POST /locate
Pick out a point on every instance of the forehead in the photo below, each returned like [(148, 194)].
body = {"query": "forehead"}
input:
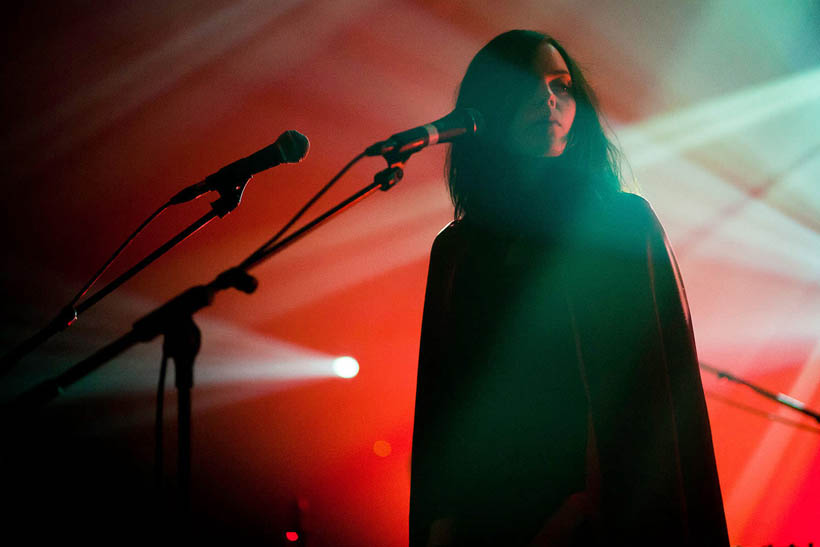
[(549, 62)]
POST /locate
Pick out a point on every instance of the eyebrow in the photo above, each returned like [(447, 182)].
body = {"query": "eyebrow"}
[(556, 72)]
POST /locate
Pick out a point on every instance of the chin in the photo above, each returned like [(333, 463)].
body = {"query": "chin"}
[(558, 149)]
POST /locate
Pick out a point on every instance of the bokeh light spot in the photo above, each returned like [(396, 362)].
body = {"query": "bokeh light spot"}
[(382, 448)]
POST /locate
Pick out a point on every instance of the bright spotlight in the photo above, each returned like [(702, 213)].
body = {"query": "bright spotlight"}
[(345, 367)]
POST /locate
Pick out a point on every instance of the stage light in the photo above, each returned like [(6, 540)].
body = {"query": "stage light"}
[(292, 536), (345, 367), (668, 136)]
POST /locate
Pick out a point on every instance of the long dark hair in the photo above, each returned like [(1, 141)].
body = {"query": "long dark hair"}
[(499, 79)]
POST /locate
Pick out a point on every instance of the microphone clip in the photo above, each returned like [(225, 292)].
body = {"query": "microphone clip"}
[(230, 184), (230, 195), (388, 177)]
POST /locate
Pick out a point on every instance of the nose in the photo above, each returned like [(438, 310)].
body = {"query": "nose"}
[(552, 100)]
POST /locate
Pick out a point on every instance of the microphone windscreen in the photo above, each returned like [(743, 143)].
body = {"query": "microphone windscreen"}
[(294, 146)]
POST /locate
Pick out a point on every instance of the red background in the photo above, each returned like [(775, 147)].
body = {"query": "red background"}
[(111, 108)]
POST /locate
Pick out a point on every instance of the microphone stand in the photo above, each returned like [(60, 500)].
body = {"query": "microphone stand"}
[(174, 320), (230, 196), (781, 398), (383, 180)]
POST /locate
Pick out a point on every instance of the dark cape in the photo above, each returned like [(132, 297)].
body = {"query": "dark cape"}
[(529, 343)]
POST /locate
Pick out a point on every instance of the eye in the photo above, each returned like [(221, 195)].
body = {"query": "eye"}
[(561, 88)]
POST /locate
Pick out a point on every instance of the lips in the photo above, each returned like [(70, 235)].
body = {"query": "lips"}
[(547, 122)]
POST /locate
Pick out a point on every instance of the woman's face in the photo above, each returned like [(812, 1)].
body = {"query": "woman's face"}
[(540, 126)]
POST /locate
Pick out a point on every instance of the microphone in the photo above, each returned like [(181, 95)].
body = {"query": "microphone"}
[(459, 122), (290, 147)]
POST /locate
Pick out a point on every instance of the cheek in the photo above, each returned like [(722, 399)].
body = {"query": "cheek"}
[(569, 114)]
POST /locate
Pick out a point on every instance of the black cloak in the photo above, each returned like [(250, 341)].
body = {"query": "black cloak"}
[(531, 342)]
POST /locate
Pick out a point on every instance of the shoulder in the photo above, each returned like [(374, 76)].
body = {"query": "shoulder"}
[(621, 223), (632, 212), (452, 237), (627, 199), (446, 244), (631, 206), (448, 233)]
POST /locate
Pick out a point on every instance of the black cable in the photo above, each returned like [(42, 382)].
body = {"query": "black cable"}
[(68, 314), (117, 253), (269, 243)]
